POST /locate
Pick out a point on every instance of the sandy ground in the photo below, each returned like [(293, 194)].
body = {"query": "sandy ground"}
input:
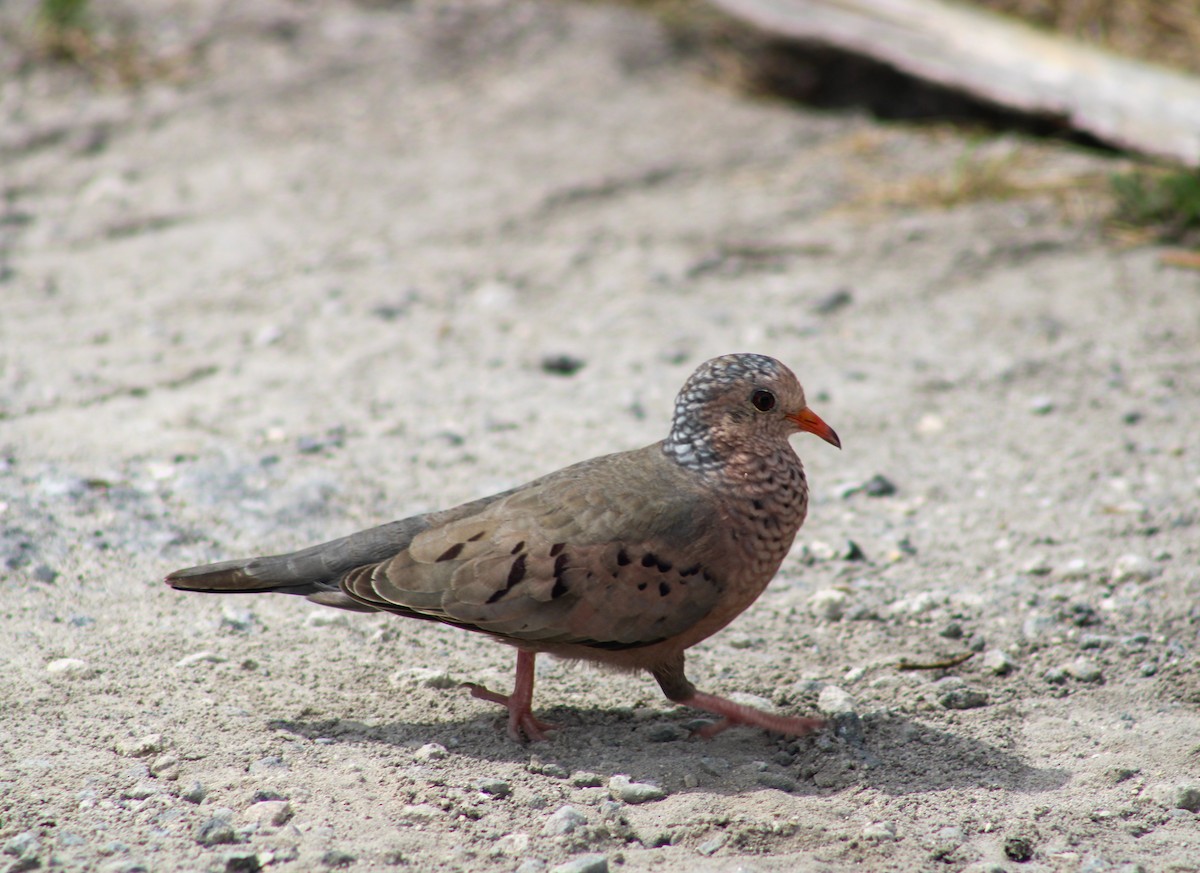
[(346, 263)]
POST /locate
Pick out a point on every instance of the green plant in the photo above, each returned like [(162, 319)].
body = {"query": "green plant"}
[(1166, 203), (65, 29)]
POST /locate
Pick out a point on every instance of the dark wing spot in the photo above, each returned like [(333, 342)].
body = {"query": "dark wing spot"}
[(477, 537), (622, 558), (690, 571), (663, 566), (515, 574), (641, 586), (518, 547), (663, 589), (559, 589), (649, 560), (758, 504), (451, 553), (556, 548)]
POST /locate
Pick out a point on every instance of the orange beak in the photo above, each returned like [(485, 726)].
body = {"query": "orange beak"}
[(809, 421)]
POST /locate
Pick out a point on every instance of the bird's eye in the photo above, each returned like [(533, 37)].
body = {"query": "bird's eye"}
[(763, 400)]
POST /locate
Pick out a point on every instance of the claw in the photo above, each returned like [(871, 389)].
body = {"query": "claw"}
[(522, 726)]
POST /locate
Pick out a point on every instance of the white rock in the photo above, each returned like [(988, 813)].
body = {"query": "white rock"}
[(918, 604), (141, 747), (431, 752), (997, 661), (423, 677), (275, 813), (203, 657), (828, 604), (565, 820), (879, 831), (1135, 568), (835, 701), (71, 668), (1085, 670), (1076, 568), (624, 789)]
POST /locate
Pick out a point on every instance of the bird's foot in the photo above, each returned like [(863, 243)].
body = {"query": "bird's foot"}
[(523, 727), (736, 713)]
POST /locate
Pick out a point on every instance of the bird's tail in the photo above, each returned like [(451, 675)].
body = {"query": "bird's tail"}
[(314, 573)]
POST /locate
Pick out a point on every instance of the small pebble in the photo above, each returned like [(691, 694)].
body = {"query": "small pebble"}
[(562, 365), (194, 793), (533, 865), (45, 574), (829, 303), (1084, 670), (879, 486), (1041, 405), (166, 766), (1076, 568), (204, 657), (1135, 568), (267, 764), (963, 698), (665, 732), (431, 752), (24, 845), (777, 781), (998, 662), (215, 831), (1019, 849), (336, 858), (585, 779), (151, 744), (141, 791), (565, 820), (952, 631), (273, 812), (1055, 676), (623, 789), (834, 701), (547, 768), (494, 787), (713, 844), (916, 605), (828, 604), (879, 831), (242, 862), (424, 677), (238, 620), (71, 668), (583, 864)]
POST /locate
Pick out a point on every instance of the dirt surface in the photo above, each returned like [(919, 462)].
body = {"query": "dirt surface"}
[(347, 263)]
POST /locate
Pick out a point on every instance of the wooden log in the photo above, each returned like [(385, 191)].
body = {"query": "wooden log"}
[(1126, 103)]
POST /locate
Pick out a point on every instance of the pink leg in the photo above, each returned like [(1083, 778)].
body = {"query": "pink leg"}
[(735, 713), (522, 726)]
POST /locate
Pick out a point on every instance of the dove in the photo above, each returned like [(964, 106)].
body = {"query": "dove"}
[(625, 560)]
